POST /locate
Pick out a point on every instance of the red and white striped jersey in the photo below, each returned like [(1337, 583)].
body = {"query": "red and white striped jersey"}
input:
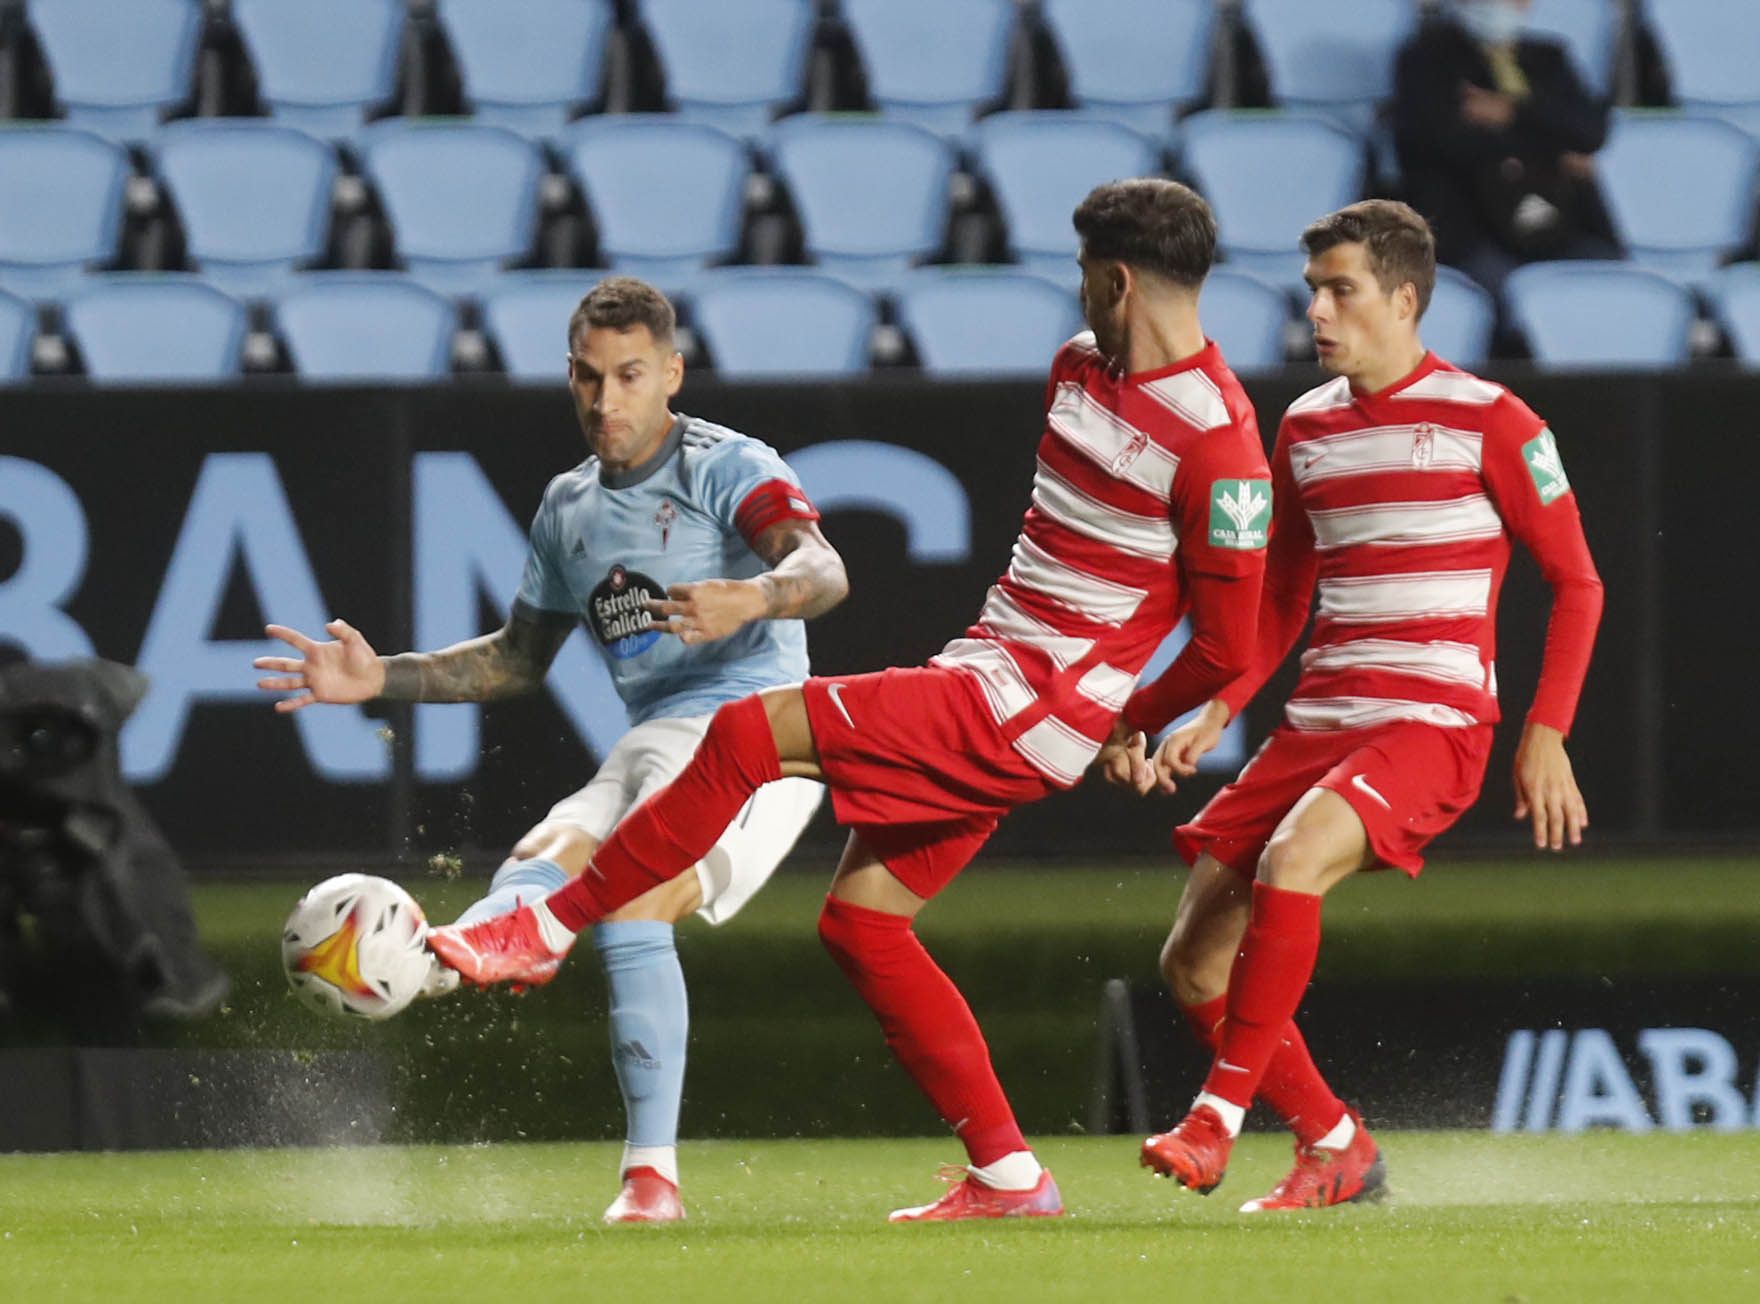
[(1145, 482), (1398, 508)]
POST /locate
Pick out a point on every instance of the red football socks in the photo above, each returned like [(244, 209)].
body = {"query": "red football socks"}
[(927, 1023), (1265, 987), (675, 828), (1292, 1085)]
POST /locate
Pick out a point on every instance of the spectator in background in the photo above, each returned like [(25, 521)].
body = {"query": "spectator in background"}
[(1496, 137)]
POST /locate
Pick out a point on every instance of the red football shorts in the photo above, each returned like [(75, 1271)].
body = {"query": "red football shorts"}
[(917, 767), (1407, 782)]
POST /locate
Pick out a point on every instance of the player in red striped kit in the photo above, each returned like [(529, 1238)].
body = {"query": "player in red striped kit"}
[(1399, 486), (1151, 499)]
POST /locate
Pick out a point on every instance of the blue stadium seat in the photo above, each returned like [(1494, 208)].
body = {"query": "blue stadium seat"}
[(253, 196), (1040, 165), (1709, 48), (932, 63), (782, 322), (155, 327), (526, 315), (1141, 81), (970, 322), (117, 67), (76, 182), (1267, 175), (1333, 57), (1680, 189), (1737, 295), (667, 197), (1247, 317), (323, 65), (527, 64), (1589, 29), (365, 326), (1458, 324), (1600, 315), (18, 327), (733, 63), (462, 199), (871, 195)]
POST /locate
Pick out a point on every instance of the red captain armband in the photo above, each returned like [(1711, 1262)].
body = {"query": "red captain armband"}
[(770, 502)]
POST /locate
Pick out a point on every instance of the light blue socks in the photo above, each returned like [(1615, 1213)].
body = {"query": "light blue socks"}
[(517, 883), (650, 1019)]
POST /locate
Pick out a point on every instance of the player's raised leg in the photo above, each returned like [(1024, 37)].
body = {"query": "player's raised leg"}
[(749, 743), (866, 926), (1320, 843)]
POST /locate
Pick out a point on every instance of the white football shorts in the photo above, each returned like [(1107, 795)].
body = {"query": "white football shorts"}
[(648, 758)]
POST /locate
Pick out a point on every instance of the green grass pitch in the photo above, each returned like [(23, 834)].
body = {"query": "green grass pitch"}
[(1471, 1218)]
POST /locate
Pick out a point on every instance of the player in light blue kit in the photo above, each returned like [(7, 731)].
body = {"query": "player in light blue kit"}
[(691, 555)]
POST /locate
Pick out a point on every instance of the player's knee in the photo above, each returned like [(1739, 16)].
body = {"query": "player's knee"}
[(1293, 861), (564, 844)]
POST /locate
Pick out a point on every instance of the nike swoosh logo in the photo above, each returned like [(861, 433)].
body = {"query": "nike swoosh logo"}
[(1226, 1067), (835, 693), (1310, 462), (1362, 785)]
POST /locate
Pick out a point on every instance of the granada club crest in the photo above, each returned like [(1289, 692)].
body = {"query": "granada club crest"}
[(618, 615), (1423, 446)]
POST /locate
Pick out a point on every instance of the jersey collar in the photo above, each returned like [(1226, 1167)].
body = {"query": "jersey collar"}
[(662, 455), (1426, 364)]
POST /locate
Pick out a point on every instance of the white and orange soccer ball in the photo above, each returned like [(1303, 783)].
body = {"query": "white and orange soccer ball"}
[(356, 945)]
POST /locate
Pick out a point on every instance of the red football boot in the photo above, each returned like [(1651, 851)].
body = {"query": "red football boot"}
[(1326, 1177), (503, 949), (1194, 1154), (647, 1197), (967, 1197)]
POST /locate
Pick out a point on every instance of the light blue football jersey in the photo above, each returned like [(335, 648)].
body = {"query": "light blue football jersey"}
[(604, 541)]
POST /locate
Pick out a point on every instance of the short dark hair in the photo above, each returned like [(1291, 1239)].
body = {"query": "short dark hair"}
[(1396, 238), (1151, 224), (622, 303)]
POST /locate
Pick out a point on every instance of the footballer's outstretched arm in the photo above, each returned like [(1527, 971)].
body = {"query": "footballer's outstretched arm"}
[(806, 579), (512, 660)]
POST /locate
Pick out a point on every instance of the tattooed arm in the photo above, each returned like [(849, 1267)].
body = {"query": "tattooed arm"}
[(512, 660), (806, 579)]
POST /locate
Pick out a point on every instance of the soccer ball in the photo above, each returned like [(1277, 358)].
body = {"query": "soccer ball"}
[(356, 945)]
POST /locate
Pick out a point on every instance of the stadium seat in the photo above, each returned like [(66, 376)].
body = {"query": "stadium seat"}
[(1333, 57), (118, 67), (782, 322), (667, 197), (528, 64), (871, 195), (1709, 48), (1680, 189), (76, 182), (253, 196), (985, 322), (1737, 296), (1040, 165), (18, 327), (1247, 317), (366, 326), (733, 63), (1267, 175), (155, 327), (1143, 81), (462, 199), (526, 315), (1458, 324), (1589, 29), (323, 65), (1600, 315), (932, 63)]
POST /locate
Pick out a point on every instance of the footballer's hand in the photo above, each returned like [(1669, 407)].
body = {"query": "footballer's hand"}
[(1123, 759), (706, 610), (1177, 757), (1546, 789), (346, 670)]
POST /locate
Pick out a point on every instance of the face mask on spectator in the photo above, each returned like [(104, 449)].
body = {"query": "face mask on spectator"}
[(1493, 22)]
